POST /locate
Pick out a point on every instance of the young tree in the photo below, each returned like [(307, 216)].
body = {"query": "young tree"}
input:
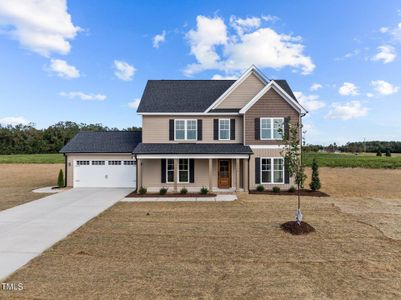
[(378, 153), (292, 153), (388, 153), (315, 182), (60, 179)]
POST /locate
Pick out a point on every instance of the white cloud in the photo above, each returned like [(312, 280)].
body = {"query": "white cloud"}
[(233, 49), (384, 88), (63, 69), (347, 111), (13, 121), (42, 26), (315, 87), (158, 39), (353, 53), (384, 29), (222, 77), (385, 53), (134, 104), (270, 18), (310, 102), (124, 70), (83, 96), (348, 89), (369, 95)]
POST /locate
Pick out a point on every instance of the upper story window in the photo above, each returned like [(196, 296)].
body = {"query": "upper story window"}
[(270, 128), (186, 129), (224, 129)]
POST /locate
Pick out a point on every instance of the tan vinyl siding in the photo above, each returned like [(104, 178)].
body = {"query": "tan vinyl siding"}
[(265, 153), (243, 93), (155, 129), (90, 156), (269, 105)]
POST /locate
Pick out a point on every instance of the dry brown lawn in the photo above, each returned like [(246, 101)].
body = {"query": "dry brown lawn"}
[(18, 180), (232, 250)]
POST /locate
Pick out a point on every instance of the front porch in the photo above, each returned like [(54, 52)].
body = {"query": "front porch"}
[(222, 174)]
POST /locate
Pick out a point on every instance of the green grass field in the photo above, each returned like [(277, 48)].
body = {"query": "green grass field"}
[(32, 159), (347, 160)]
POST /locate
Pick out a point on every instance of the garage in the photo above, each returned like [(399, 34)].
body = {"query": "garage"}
[(101, 159), (104, 173)]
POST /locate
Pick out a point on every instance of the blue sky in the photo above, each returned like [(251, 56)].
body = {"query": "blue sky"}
[(88, 61)]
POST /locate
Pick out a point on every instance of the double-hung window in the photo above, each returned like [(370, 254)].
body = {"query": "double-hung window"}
[(271, 128), (224, 129), (183, 170), (186, 130), (272, 170), (170, 171)]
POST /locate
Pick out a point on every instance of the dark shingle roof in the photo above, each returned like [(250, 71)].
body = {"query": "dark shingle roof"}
[(192, 149), (103, 142), (284, 85), (181, 95)]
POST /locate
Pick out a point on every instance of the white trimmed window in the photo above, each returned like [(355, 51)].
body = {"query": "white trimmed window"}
[(114, 162), (183, 170), (224, 129), (170, 171), (82, 162), (270, 128), (129, 162), (98, 162), (272, 170), (186, 130)]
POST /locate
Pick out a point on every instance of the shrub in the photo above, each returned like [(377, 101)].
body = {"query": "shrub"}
[(183, 191), (388, 153), (60, 179), (315, 183), (143, 190), (276, 189), (204, 191), (163, 191), (292, 189), (260, 188), (379, 153)]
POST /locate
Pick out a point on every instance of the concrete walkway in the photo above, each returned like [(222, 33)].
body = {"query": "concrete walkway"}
[(29, 229)]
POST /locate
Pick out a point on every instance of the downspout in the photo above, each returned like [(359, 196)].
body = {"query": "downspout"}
[(65, 170)]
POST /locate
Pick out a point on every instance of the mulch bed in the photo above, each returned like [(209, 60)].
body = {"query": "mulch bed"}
[(303, 192), (170, 195), (297, 229)]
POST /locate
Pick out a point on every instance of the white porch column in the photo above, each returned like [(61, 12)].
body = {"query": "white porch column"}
[(139, 170), (246, 175), (210, 174), (175, 174), (237, 172)]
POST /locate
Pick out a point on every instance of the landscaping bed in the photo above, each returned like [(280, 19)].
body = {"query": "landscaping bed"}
[(170, 195), (303, 192)]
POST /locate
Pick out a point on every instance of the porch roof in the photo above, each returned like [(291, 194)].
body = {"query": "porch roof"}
[(192, 148)]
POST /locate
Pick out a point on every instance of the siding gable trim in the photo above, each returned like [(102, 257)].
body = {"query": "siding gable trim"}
[(240, 80), (281, 92)]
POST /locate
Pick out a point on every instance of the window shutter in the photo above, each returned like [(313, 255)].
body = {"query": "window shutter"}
[(232, 129), (286, 173), (257, 170), (191, 170), (215, 129), (171, 130), (163, 171), (257, 128), (199, 130), (287, 127)]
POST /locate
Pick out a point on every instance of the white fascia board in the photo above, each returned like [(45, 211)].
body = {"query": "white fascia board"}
[(266, 146), (280, 91), (242, 78), (199, 156), (188, 114)]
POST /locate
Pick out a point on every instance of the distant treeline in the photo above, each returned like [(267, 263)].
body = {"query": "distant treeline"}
[(26, 139), (357, 147)]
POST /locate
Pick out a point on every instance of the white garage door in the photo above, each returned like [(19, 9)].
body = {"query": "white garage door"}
[(104, 173)]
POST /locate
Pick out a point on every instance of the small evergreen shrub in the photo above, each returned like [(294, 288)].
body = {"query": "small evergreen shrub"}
[(60, 179), (388, 153), (143, 190), (183, 191), (315, 182), (260, 188), (379, 153), (276, 189), (292, 189), (163, 191), (204, 191)]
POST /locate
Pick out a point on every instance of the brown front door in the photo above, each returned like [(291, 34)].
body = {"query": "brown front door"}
[(224, 174)]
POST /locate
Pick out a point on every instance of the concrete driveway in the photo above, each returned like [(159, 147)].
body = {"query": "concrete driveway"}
[(29, 229)]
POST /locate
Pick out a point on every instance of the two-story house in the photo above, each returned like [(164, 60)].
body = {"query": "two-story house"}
[(221, 134)]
